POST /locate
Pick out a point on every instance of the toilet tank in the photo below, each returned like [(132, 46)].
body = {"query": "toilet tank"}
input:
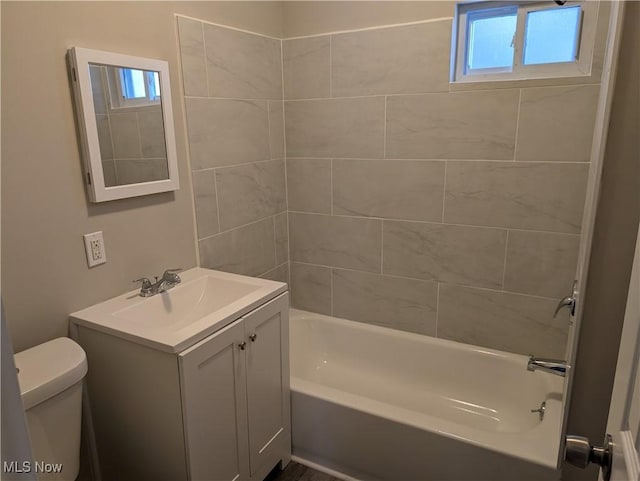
[(50, 377)]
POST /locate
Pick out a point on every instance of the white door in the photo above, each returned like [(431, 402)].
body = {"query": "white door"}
[(624, 412)]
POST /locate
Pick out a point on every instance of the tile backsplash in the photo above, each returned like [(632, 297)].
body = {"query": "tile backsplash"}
[(398, 202)]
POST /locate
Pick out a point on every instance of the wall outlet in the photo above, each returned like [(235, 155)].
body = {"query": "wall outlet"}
[(94, 247)]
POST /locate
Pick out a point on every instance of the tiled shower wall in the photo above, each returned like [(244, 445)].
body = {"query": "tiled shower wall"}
[(233, 99), (449, 213)]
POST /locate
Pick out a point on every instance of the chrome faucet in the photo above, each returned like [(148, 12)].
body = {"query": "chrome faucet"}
[(169, 279), (552, 366)]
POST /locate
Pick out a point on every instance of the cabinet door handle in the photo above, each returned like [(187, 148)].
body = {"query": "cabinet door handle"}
[(242, 345), (253, 337)]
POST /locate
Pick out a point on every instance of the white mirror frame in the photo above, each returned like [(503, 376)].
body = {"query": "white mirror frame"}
[(80, 58)]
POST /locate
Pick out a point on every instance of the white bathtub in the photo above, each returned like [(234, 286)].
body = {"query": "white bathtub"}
[(375, 403)]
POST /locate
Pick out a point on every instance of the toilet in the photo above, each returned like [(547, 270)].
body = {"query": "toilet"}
[(50, 377)]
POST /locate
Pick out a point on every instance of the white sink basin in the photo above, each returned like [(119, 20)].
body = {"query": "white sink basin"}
[(204, 302)]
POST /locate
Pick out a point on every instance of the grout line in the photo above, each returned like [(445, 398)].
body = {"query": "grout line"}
[(413, 221), (434, 281), (437, 308), (444, 190), (331, 288), (330, 67), (215, 184), (230, 166), (515, 140), (206, 69), (384, 130), (269, 129), (275, 241), (237, 99), (331, 183), (382, 247), (284, 118), (376, 27), (479, 161), (238, 227), (504, 266), (226, 26)]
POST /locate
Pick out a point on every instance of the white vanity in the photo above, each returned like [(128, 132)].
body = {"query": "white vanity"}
[(190, 384)]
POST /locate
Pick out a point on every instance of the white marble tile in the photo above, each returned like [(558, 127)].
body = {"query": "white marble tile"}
[(348, 242), (109, 173), (501, 320), (226, 132), (280, 274), (556, 123), (541, 263), (204, 194), (395, 189), (242, 65), (456, 125), (306, 67), (309, 185), (335, 127), (281, 225), (248, 250), (458, 254), (124, 132), (133, 171), (405, 59), (520, 195), (311, 288), (104, 137), (151, 125), (276, 129), (405, 304), (250, 192), (192, 57)]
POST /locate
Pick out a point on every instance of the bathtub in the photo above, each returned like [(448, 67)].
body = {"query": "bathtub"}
[(375, 403)]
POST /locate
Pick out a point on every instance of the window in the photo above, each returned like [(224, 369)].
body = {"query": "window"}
[(500, 41), (130, 87)]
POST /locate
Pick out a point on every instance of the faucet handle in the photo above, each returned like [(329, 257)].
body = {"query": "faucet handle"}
[(146, 289), (171, 275), (146, 283)]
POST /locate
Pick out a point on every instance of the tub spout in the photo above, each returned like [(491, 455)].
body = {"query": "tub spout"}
[(552, 366)]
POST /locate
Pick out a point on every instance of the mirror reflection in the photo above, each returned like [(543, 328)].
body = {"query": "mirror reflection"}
[(131, 134)]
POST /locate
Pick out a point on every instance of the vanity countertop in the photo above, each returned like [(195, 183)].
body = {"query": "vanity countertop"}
[(204, 302)]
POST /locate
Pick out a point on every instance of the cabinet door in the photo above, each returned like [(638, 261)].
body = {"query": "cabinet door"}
[(213, 386), (267, 331)]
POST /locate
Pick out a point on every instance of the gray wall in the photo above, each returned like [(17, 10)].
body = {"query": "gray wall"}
[(452, 214), (44, 205), (233, 99)]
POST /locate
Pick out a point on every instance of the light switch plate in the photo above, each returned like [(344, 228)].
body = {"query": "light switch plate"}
[(94, 248)]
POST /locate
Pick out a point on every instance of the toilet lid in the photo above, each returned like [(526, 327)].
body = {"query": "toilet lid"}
[(48, 369)]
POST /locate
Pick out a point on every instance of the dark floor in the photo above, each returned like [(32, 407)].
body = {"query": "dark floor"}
[(298, 472)]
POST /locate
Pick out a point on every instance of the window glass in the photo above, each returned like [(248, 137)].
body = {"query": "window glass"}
[(490, 38), (551, 36), (133, 83)]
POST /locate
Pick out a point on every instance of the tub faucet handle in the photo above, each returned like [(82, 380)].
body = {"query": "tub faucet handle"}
[(569, 301), (541, 410)]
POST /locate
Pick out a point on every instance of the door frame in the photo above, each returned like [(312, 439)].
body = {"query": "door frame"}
[(598, 147)]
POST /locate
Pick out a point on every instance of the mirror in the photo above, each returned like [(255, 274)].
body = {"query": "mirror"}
[(126, 124)]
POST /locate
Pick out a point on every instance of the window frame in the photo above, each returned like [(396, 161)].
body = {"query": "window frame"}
[(581, 67), (117, 97)]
